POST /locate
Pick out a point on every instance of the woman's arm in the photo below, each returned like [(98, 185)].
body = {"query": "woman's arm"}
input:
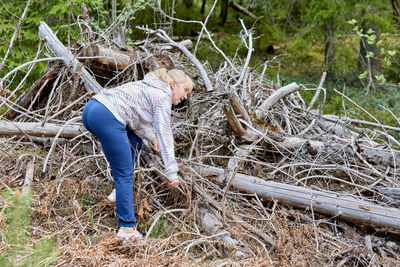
[(162, 123)]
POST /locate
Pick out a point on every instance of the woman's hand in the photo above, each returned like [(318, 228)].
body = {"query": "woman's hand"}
[(174, 183), (156, 146)]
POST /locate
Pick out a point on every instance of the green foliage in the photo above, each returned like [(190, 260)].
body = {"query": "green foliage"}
[(19, 251)]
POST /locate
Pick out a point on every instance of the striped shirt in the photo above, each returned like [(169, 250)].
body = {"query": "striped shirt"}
[(141, 104)]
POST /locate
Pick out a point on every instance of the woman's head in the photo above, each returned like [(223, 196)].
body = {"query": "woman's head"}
[(181, 84)]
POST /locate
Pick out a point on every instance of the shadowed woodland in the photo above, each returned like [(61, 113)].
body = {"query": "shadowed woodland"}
[(275, 172)]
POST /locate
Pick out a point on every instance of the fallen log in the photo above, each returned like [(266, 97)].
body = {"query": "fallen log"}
[(69, 60), (328, 203), (35, 129)]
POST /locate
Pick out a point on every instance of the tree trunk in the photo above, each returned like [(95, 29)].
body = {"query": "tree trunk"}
[(396, 12), (374, 63), (203, 6), (224, 11), (330, 54)]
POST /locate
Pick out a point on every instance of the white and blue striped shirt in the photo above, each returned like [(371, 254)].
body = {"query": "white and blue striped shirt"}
[(139, 105)]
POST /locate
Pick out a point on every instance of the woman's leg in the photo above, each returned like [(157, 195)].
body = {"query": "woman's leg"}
[(136, 144), (117, 148)]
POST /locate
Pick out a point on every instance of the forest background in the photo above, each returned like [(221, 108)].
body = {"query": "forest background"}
[(355, 42)]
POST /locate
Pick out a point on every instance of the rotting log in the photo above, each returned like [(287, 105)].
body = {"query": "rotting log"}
[(328, 203), (35, 129), (69, 60)]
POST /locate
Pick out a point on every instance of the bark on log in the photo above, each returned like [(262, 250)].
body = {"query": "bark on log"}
[(68, 58), (331, 204), (35, 129)]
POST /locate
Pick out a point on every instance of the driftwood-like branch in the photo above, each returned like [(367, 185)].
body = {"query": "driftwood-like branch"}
[(278, 95), (68, 58), (163, 35), (30, 169), (235, 125), (238, 107), (335, 118), (328, 203), (316, 95), (35, 129)]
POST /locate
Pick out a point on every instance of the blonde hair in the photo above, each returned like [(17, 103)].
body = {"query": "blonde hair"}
[(176, 75)]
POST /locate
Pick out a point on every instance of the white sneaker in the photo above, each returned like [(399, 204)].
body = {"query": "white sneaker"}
[(133, 235), (112, 196)]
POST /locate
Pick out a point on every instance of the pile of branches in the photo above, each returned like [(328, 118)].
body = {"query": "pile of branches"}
[(267, 178)]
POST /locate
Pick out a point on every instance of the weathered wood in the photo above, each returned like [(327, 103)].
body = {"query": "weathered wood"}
[(30, 169), (35, 129), (238, 107), (164, 36), (373, 154), (327, 203), (276, 96), (233, 121), (212, 226), (114, 59), (25, 100), (392, 192), (334, 118), (69, 60), (235, 125), (153, 161)]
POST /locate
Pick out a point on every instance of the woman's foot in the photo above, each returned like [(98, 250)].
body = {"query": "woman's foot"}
[(129, 233)]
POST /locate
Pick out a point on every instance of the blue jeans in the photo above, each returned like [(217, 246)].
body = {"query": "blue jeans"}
[(121, 147)]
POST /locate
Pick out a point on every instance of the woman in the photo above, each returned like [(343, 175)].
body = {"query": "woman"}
[(121, 117)]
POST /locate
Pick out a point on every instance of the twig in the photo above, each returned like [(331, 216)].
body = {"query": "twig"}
[(14, 36)]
